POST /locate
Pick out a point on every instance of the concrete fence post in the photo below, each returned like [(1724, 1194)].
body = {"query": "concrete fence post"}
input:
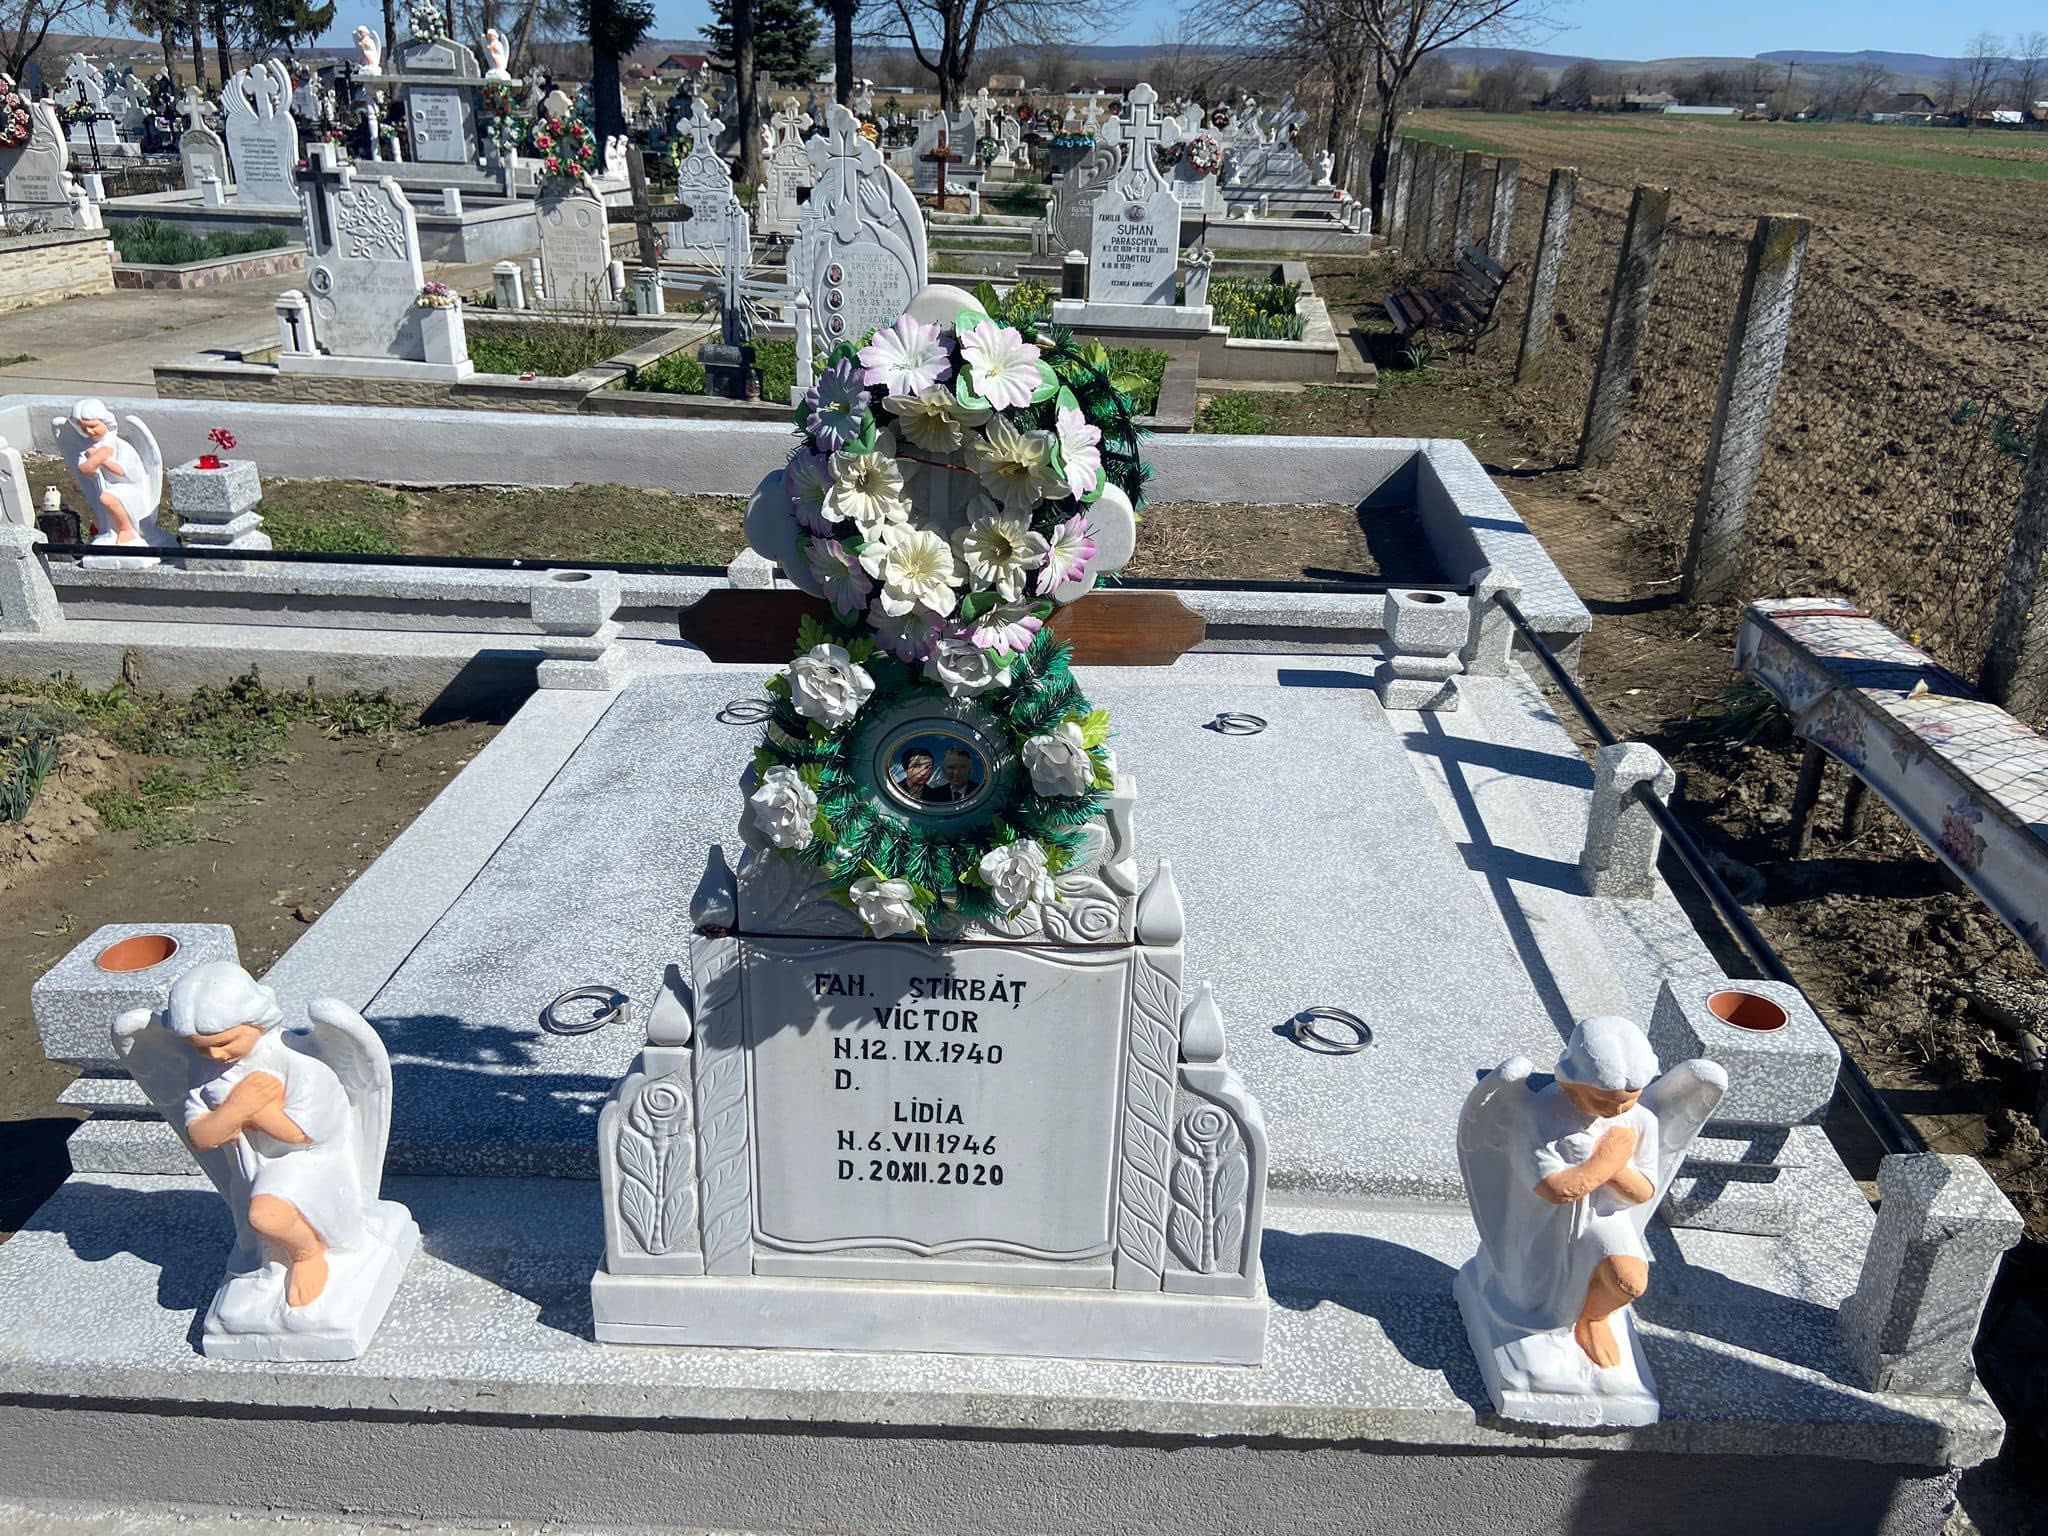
[(28, 603), (1442, 166), (2015, 670), (1942, 1226), (1619, 859), (1414, 199), (1394, 191), (1500, 222), (1557, 225), (1628, 309), (1742, 411), (1471, 175)]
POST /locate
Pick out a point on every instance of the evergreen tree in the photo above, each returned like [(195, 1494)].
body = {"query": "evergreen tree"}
[(785, 32), (615, 28)]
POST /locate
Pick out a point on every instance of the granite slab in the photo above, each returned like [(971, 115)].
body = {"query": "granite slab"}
[(1314, 868), (100, 1290)]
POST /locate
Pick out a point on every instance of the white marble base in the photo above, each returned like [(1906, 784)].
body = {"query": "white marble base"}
[(1545, 1378), (756, 1312), (375, 367), (1082, 314), (249, 1320)]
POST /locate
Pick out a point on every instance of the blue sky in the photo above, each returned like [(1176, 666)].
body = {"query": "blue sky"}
[(1614, 29)]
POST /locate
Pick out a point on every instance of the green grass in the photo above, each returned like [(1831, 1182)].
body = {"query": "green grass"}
[(156, 243), (207, 744), (1238, 413), (676, 374), (19, 357), (548, 349), (341, 533)]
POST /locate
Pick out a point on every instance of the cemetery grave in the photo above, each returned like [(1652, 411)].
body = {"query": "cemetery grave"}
[(1215, 1215)]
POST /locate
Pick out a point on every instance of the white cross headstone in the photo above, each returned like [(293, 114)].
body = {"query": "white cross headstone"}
[(786, 173), (201, 155), (704, 186), (194, 108), (263, 141), (363, 269), (1134, 245), (860, 246)]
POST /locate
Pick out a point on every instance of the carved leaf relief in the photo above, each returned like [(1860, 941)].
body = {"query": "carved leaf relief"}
[(1210, 1179), (1148, 1110)]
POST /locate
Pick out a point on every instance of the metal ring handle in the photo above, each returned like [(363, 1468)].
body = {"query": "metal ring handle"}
[(1234, 722), (745, 712), (618, 1008), (1307, 1034)]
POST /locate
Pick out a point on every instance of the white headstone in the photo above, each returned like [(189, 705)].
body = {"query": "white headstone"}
[(263, 141), (704, 186), (786, 173), (34, 177), (575, 245), (1134, 244), (363, 268), (860, 248), (201, 154)]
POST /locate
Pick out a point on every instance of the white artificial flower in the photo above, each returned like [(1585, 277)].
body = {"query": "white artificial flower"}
[(1059, 761), (963, 668), (809, 477), (1005, 364), (906, 358), (867, 488), (1015, 874), (1015, 467), (916, 568), (888, 907), (1001, 551), (1080, 451), (933, 418), (826, 685), (784, 808)]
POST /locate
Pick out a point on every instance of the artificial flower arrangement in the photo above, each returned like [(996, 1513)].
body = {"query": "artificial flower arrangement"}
[(565, 146), (1073, 141), (15, 122), (1036, 430), (222, 439), (79, 112), (437, 296), (1203, 153)]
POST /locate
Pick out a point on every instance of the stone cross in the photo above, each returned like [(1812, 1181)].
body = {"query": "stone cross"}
[(704, 128), (193, 108), (320, 172), (1140, 130), (790, 121)]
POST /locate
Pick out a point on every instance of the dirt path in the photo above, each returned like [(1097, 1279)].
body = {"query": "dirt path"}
[(267, 863)]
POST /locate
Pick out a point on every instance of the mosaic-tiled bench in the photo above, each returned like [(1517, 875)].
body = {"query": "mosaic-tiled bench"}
[(1966, 776)]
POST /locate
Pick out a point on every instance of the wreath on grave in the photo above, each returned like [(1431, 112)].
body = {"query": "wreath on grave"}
[(1203, 153), (564, 147), (499, 99), (79, 112), (937, 646), (16, 125), (1073, 141)]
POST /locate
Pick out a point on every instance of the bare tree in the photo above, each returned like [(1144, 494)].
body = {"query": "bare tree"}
[(25, 25), (1505, 87), (946, 35), (2030, 68), (1983, 64)]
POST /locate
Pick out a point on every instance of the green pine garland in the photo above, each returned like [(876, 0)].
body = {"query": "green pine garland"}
[(856, 836)]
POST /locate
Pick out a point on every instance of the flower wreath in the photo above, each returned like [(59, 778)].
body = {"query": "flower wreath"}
[(565, 146), (1204, 154), (16, 125), (1073, 141), (498, 98), (1041, 430), (79, 112)]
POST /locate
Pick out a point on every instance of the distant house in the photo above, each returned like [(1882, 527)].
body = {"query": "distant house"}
[(1676, 110), (1647, 101), (1103, 85), (1006, 85), (1907, 104), (679, 64)]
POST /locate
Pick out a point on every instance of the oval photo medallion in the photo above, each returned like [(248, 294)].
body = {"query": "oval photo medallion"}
[(935, 767)]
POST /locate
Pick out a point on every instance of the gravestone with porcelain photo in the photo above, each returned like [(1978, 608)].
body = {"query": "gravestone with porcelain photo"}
[(575, 247), (859, 251)]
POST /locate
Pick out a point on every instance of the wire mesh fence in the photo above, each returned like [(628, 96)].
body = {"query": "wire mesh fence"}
[(1549, 405), (1891, 478)]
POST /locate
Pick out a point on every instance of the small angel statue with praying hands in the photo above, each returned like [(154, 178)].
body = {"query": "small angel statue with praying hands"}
[(290, 1125), (1562, 1180)]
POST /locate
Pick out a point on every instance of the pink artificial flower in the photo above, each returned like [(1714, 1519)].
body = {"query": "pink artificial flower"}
[(906, 358), (1011, 627), (1069, 550)]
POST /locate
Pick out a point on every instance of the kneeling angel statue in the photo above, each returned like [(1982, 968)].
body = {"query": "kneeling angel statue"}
[(1562, 1177), (122, 481), (290, 1124)]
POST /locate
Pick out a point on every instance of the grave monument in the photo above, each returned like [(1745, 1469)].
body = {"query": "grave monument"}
[(704, 186), (786, 173), (942, 1083), (859, 251), (575, 246), (35, 179), (263, 137)]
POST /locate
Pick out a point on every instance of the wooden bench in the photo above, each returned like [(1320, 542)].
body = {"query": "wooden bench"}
[(1462, 300)]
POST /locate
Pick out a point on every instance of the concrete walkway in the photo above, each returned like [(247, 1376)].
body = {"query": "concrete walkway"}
[(108, 344)]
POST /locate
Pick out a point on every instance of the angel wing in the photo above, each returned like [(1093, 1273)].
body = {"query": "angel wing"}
[(342, 1038), (1491, 1128), (1682, 1100), (70, 444), (162, 1068), (151, 455)]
